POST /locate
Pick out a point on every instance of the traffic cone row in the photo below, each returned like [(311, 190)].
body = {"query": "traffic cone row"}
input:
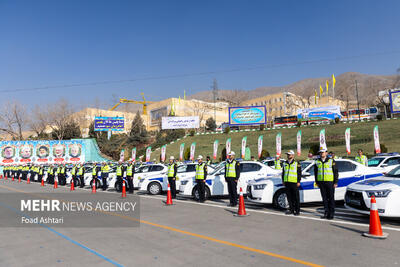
[(375, 228), (242, 210), (169, 197), (123, 189)]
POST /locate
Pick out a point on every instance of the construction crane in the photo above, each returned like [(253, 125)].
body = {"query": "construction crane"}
[(144, 103)]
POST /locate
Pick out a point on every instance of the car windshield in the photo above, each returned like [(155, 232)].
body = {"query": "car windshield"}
[(374, 162), (394, 173)]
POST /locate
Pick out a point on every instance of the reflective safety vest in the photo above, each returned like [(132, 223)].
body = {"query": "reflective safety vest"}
[(119, 170), (363, 160), (171, 170), (200, 171), (94, 170), (80, 171), (278, 164), (41, 170), (50, 170), (62, 170), (73, 171), (290, 172), (231, 169), (325, 171), (26, 168), (129, 170), (105, 169)]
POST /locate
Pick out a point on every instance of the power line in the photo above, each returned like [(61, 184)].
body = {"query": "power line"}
[(197, 73)]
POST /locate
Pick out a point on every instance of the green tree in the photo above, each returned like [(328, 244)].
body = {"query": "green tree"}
[(138, 133), (70, 130), (210, 124)]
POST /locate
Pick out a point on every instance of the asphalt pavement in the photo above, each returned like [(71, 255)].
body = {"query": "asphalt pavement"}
[(194, 234)]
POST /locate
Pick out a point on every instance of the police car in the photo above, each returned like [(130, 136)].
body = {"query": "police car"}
[(272, 191), (385, 189), (155, 184), (215, 182), (385, 162), (147, 170)]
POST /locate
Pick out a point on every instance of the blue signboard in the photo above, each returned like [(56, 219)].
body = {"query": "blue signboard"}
[(252, 115), (329, 113), (109, 123), (394, 97)]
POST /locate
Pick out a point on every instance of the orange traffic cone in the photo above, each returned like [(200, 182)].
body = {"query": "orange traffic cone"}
[(169, 196), (94, 186), (242, 209), (28, 180), (12, 178), (123, 189), (55, 183), (72, 185), (1, 176), (42, 183), (19, 179), (375, 228)]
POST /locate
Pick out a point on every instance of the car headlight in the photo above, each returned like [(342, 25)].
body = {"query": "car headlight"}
[(378, 193), (259, 186), (184, 182)]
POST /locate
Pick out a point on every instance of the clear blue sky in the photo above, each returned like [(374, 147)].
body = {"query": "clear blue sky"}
[(51, 43)]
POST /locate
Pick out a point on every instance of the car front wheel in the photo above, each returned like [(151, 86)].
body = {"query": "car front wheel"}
[(280, 199)]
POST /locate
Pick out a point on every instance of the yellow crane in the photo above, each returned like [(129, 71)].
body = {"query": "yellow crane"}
[(144, 103)]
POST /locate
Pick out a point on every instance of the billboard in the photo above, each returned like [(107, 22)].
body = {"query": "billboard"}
[(109, 123), (394, 97), (157, 114), (180, 122), (253, 115), (329, 113), (41, 152)]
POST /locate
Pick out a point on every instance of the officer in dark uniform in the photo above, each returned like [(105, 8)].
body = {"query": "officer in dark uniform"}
[(208, 161), (172, 170), (95, 171), (232, 175), (120, 172), (130, 172), (105, 170), (291, 176), (200, 178), (326, 177), (81, 175)]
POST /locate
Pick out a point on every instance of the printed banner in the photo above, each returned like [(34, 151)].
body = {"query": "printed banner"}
[(163, 152), (260, 145), (215, 149), (347, 138), (279, 144), (394, 98), (133, 154), (192, 150), (148, 154), (181, 149), (299, 143), (109, 123), (41, 152), (376, 140), (322, 140), (228, 146), (122, 155), (180, 122), (247, 115), (244, 140)]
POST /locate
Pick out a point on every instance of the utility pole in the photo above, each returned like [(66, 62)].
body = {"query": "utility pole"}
[(215, 95), (358, 103)]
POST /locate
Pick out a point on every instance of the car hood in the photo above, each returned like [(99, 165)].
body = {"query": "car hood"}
[(376, 184)]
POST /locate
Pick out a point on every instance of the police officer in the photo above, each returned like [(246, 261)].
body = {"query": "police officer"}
[(81, 175), (25, 171), (40, 173), (200, 178), (277, 162), (95, 171), (291, 176), (50, 174), (61, 174), (73, 173), (362, 159), (120, 172), (105, 169), (208, 161), (130, 171), (172, 170), (232, 175), (326, 177)]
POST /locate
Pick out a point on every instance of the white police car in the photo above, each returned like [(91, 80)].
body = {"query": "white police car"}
[(385, 162), (148, 170), (155, 184), (272, 191), (385, 189), (215, 182)]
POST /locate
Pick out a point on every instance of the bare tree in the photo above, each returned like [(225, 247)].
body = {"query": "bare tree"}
[(200, 108), (39, 121), (13, 119), (59, 117)]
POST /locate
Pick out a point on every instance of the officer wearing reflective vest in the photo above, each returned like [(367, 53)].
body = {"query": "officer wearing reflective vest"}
[(81, 175), (40, 176), (208, 160), (50, 174), (326, 177), (277, 162), (172, 170), (362, 159), (61, 174), (25, 171), (130, 172), (95, 171), (120, 172), (232, 175), (73, 173), (105, 169), (200, 178), (291, 176)]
